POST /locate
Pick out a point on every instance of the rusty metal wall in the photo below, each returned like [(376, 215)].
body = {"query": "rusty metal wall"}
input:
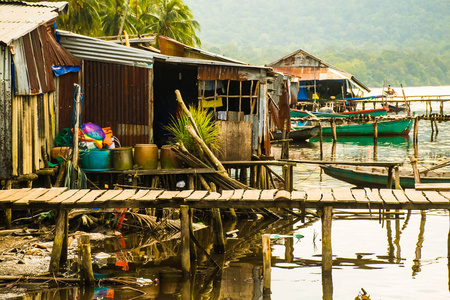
[(5, 113), (117, 96), (65, 99), (219, 72)]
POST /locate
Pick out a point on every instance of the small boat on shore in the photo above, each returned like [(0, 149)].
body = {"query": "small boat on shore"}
[(376, 112), (378, 177), (299, 133), (385, 128)]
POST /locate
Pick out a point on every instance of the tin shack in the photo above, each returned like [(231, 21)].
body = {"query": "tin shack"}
[(29, 54), (132, 91)]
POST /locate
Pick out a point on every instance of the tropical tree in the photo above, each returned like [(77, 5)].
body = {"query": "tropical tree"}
[(171, 18), (83, 17), (116, 17)]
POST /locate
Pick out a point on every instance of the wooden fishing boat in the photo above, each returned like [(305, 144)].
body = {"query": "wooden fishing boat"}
[(385, 128), (376, 112), (378, 177), (395, 108), (298, 133)]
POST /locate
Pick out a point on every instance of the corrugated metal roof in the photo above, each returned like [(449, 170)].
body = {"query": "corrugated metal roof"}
[(84, 47), (20, 18)]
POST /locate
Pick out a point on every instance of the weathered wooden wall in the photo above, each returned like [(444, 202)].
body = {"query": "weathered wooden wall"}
[(32, 126), (236, 138), (5, 113)]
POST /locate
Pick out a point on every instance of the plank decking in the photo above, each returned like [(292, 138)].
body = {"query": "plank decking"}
[(54, 198)]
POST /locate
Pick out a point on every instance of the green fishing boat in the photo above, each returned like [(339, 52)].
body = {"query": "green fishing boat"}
[(376, 112), (385, 128), (378, 177)]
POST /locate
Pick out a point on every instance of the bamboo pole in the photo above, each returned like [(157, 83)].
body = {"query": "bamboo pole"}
[(205, 148), (186, 111), (266, 264), (76, 127), (86, 272)]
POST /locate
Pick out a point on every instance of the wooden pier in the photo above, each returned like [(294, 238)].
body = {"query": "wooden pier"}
[(438, 197), (424, 197)]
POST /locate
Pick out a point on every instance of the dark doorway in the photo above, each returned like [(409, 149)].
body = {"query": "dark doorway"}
[(167, 79)]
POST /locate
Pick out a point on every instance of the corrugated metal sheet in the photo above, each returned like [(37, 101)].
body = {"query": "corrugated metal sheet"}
[(88, 48), (5, 113), (19, 18), (92, 49), (116, 96)]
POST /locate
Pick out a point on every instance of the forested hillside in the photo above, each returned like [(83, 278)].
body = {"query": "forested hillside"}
[(403, 41)]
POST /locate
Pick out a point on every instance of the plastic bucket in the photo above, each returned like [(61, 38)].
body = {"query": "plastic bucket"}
[(122, 158), (146, 156), (95, 159), (168, 158)]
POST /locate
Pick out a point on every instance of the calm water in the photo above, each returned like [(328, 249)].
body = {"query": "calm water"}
[(405, 258), (401, 259)]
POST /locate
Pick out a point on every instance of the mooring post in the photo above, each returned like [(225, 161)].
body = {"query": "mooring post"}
[(333, 129), (375, 131), (86, 272), (327, 259), (58, 242), (185, 241), (267, 253), (321, 141)]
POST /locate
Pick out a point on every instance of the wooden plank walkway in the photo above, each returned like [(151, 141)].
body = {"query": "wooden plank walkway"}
[(56, 198)]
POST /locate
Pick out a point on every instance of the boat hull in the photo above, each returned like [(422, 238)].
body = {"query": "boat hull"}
[(369, 178), (301, 133), (385, 128)]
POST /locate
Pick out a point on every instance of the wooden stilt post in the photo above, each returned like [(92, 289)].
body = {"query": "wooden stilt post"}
[(185, 241), (413, 161), (86, 272), (397, 177), (65, 244), (267, 256), (327, 259), (389, 179), (191, 184), (58, 242), (219, 240), (8, 211)]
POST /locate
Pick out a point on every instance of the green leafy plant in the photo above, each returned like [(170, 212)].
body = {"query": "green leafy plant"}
[(206, 125)]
